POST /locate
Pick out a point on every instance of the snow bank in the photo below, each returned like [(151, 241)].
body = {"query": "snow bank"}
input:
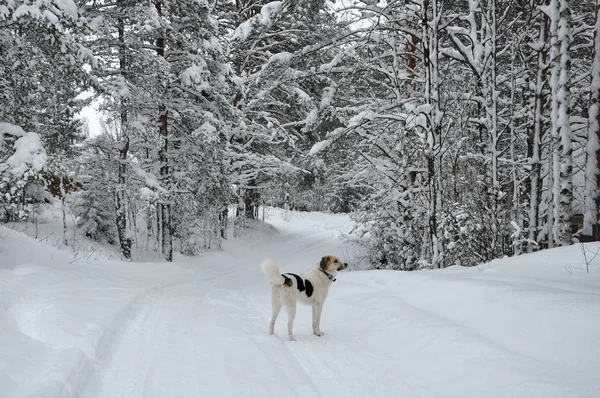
[(59, 317)]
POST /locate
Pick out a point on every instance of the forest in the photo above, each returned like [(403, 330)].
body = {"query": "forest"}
[(453, 132)]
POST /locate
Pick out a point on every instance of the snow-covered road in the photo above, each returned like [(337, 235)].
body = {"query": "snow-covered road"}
[(208, 336), (524, 327)]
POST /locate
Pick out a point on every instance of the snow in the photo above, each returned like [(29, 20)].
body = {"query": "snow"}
[(311, 117), (327, 97), (27, 10), (148, 194), (320, 146), (96, 23), (208, 132), (518, 327), (334, 62), (68, 7), (193, 75), (11, 129), (363, 116), (283, 57), (4, 11), (264, 18), (29, 155), (51, 17), (244, 30), (268, 10), (149, 179)]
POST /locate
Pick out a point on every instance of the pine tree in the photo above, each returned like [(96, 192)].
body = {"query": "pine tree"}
[(41, 76), (274, 50)]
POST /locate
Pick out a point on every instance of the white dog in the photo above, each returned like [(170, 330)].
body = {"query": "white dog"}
[(309, 288)]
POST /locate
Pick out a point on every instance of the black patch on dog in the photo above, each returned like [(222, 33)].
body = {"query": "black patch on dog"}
[(286, 281), (309, 287), (299, 282)]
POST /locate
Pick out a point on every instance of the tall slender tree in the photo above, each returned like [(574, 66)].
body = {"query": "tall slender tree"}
[(592, 170)]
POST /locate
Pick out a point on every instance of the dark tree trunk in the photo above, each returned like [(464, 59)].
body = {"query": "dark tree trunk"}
[(165, 205), (223, 222), (124, 241), (163, 157), (251, 201), (120, 200), (595, 99)]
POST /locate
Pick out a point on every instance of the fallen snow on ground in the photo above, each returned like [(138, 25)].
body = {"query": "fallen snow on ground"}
[(94, 327)]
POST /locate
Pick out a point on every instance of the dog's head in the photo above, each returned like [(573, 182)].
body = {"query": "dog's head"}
[(332, 264)]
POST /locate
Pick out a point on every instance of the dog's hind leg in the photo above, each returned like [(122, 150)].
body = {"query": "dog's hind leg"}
[(290, 308), (276, 306)]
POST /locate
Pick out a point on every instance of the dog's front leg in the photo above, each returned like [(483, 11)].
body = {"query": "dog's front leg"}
[(317, 308)]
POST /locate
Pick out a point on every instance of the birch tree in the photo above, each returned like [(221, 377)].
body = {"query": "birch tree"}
[(541, 48), (560, 210), (475, 43), (592, 173)]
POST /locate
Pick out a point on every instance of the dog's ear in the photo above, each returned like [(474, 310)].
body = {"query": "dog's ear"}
[(324, 262)]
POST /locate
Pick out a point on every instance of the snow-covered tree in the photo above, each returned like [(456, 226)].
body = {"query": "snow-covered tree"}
[(22, 163), (93, 206), (559, 216), (277, 50), (592, 172), (42, 58), (538, 123)]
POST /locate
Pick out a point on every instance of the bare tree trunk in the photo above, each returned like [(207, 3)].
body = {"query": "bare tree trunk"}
[(538, 129), (251, 201), (492, 112), (120, 201), (562, 159), (592, 170), (165, 205), (159, 226), (517, 215), (223, 218), (432, 150), (63, 197), (553, 155), (564, 124), (167, 232), (124, 240), (163, 157)]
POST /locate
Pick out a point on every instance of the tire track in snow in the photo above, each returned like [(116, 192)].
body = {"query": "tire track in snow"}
[(250, 320), (183, 343), (336, 367), (208, 336)]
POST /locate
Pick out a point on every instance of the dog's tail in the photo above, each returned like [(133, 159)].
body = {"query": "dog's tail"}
[(271, 270)]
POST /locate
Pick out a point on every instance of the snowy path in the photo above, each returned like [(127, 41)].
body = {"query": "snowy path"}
[(521, 327), (207, 337)]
